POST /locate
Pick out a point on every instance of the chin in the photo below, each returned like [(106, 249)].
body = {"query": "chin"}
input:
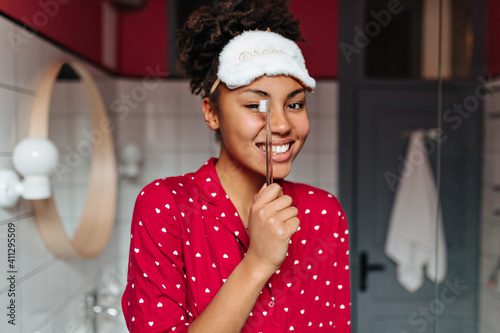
[(280, 172)]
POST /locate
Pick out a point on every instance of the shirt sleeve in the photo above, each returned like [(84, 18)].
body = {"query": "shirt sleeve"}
[(343, 295), (155, 296)]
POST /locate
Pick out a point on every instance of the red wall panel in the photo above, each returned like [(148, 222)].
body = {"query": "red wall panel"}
[(142, 39), (493, 38), (319, 26), (142, 42), (75, 24)]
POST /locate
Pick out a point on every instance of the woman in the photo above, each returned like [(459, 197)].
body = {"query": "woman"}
[(217, 250)]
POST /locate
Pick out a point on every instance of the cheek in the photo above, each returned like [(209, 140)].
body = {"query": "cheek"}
[(302, 127), (243, 126)]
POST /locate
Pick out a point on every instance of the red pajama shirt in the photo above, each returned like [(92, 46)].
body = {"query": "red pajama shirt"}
[(187, 238)]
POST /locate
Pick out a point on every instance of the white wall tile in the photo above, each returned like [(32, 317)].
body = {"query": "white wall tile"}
[(214, 145), (34, 58), (490, 235), (192, 162), (489, 309), (130, 98), (59, 100), (5, 213), (23, 113), (328, 167), (81, 131), (312, 104), (34, 288), (487, 267), (314, 138), (189, 103), (164, 98), (77, 98), (31, 64), (126, 200), (491, 206), (33, 252), (7, 125), (160, 133), (303, 169), (132, 130), (491, 175), (329, 133), (194, 133), (59, 131), (73, 314), (7, 52), (62, 200), (328, 97), (158, 166), (484, 329), (123, 232), (492, 134), (492, 103)]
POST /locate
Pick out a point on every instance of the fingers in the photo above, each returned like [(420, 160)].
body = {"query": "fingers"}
[(290, 220), (281, 202), (271, 204), (287, 213), (268, 193), (260, 191), (292, 225)]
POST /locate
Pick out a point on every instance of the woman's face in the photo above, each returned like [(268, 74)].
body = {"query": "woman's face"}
[(243, 127)]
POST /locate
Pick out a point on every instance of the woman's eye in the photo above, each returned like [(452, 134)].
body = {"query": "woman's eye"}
[(296, 106), (252, 106)]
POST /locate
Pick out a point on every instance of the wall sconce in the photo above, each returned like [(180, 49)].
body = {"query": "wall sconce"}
[(130, 161), (35, 159)]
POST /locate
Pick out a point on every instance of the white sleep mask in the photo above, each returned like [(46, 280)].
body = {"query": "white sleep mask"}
[(253, 54)]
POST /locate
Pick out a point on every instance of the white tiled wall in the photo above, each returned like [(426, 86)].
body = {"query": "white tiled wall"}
[(49, 292), (165, 120), (489, 297)]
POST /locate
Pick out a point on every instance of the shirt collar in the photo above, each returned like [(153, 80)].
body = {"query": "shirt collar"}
[(211, 189), (208, 183)]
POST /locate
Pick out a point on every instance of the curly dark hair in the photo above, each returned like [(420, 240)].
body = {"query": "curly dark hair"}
[(209, 29)]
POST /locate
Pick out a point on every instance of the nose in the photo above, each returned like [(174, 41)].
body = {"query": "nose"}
[(280, 124)]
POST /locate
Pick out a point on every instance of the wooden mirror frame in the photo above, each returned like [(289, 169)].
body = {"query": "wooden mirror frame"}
[(96, 223)]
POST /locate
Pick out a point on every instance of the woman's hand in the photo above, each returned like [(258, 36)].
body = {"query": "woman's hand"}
[(272, 221)]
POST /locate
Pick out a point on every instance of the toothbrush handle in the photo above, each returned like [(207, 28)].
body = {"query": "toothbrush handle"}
[(269, 150)]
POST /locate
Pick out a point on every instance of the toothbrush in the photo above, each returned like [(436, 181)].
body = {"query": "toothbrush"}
[(264, 107)]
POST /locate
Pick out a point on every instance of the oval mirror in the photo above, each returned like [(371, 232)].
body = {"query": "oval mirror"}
[(85, 178)]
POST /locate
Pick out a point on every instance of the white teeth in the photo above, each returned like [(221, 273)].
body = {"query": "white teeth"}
[(277, 149)]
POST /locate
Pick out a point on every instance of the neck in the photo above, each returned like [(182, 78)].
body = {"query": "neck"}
[(239, 183)]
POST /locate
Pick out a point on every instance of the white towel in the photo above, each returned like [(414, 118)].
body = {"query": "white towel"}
[(411, 238)]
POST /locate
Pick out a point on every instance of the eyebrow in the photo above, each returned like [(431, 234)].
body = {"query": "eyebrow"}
[(266, 94)]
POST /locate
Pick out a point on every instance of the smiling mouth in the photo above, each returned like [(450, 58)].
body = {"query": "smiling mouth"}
[(277, 149)]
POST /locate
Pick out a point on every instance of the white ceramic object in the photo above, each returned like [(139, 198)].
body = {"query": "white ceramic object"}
[(35, 158), (131, 158)]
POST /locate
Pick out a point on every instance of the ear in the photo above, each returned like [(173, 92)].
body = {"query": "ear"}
[(210, 114)]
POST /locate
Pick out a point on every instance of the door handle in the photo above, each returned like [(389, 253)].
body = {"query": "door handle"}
[(365, 268)]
